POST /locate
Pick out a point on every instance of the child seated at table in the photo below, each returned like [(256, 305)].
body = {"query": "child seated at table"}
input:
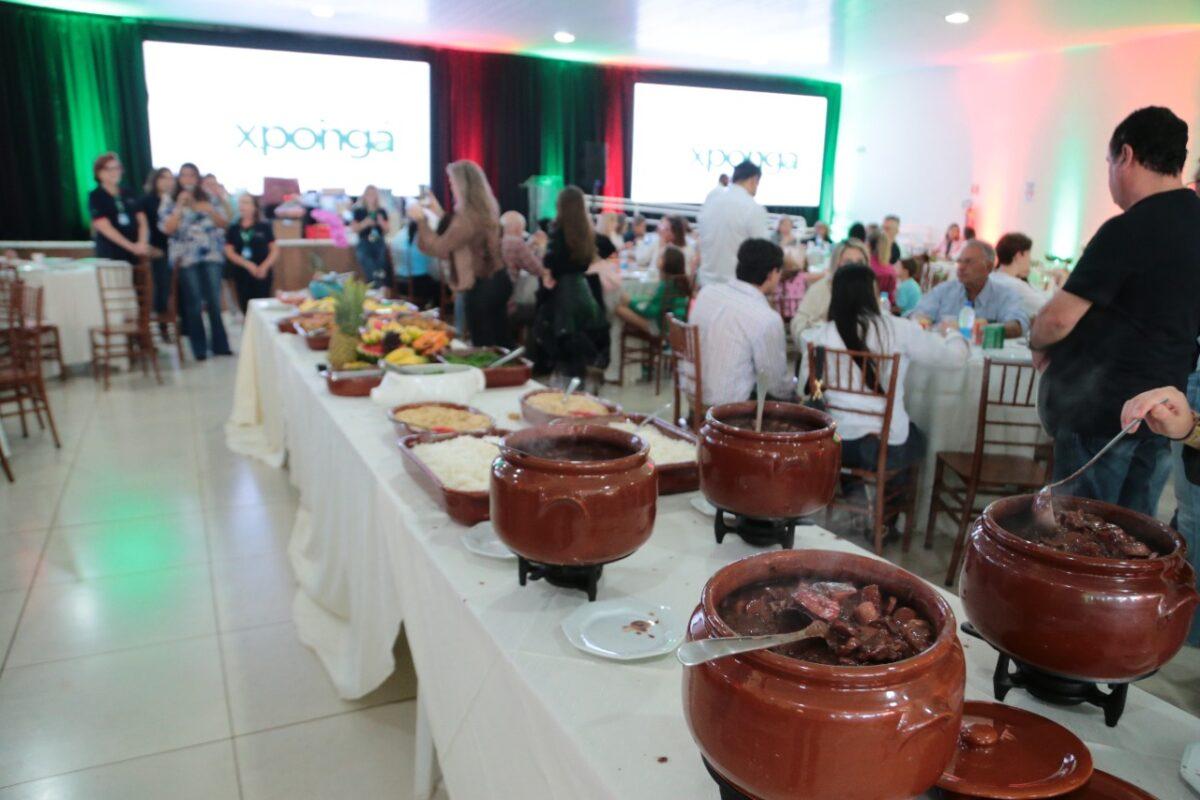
[(908, 293), (671, 296)]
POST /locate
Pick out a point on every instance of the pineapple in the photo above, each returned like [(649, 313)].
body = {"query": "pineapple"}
[(348, 318)]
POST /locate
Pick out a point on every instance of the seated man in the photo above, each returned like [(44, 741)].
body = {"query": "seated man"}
[(993, 302), (740, 334)]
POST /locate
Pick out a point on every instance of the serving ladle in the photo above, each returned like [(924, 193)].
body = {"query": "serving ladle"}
[(654, 416), (761, 392), (571, 387), (692, 653), (1043, 501), (504, 359)]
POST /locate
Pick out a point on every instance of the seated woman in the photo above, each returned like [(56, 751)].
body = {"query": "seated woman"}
[(855, 323), (908, 293), (814, 307), (671, 297)]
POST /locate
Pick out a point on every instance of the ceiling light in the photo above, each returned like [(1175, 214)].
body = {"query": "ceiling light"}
[(563, 37), (324, 12), (958, 18)]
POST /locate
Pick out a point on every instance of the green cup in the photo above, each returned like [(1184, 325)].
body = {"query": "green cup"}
[(993, 337)]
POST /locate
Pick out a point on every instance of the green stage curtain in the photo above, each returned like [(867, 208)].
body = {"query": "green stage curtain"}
[(73, 88)]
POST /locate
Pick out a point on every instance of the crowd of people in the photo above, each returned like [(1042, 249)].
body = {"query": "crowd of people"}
[(1122, 326)]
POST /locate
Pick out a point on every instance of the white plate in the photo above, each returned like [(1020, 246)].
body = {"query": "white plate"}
[(703, 506), (481, 540), (624, 629)]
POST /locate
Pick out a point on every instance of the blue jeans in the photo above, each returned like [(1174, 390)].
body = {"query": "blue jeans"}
[(1187, 520), (160, 271), (1131, 475), (373, 261), (202, 284)]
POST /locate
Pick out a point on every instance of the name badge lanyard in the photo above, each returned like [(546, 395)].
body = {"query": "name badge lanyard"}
[(122, 215), (247, 237)]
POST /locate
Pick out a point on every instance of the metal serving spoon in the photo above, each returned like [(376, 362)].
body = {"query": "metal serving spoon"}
[(761, 392), (692, 653), (1043, 501), (515, 354), (655, 415), (571, 387)]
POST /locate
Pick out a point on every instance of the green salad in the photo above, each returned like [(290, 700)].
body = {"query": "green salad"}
[(479, 359)]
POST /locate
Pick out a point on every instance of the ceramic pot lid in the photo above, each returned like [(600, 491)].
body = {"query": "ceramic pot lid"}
[(1103, 786), (1006, 753)]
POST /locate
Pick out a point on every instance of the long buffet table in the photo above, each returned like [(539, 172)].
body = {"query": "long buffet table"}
[(511, 707)]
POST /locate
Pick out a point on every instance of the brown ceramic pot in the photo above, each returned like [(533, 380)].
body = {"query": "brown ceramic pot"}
[(769, 475), (573, 513), (779, 728), (352, 383), (1095, 619)]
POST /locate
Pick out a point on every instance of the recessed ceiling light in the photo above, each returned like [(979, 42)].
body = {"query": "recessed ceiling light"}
[(324, 12), (563, 37), (958, 18)]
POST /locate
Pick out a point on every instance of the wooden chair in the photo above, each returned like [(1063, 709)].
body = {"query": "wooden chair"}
[(126, 329), (170, 319), (644, 349), (843, 372), (684, 342), (1007, 420), (21, 366)]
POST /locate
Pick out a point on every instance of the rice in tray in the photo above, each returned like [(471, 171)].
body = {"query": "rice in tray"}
[(663, 449), (463, 463)]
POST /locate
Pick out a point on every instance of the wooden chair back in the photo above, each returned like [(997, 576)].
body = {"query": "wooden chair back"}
[(10, 283), (124, 295), (684, 340), (26, 304), (844, 372), (1007, 387)]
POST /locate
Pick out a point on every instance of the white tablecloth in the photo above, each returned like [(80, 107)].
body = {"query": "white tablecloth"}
[(71, 300), (515, 710)]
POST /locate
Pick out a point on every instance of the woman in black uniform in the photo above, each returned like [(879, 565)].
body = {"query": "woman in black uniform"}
[(119, 227), (251, 252)]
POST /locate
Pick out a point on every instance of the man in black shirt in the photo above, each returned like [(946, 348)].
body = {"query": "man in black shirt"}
[(1128, 317)]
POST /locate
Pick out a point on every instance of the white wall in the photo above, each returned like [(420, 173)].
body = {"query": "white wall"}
[(925, 143)]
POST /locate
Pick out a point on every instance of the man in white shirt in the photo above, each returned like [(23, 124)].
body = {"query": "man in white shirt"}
[(729, 217), (1013, 257), (741, 335)]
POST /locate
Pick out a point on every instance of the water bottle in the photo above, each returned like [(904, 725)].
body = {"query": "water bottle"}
[(966, 320), (885, 305)]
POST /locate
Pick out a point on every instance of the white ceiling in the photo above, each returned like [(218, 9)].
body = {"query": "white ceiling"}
[(832, 39)]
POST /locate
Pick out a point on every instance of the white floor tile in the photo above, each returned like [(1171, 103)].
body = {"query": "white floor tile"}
[(83, 503), (365, 754), (105, 614), (19, 554), (275, 680), (120, 547), (68, 715), (253, 591), (31, 509), (245, 483), (10, 612), (250, 531), (204, 772)]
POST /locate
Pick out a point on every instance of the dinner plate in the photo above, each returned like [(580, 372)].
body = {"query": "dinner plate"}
[(624, 629), (703, 506), (481, 539)]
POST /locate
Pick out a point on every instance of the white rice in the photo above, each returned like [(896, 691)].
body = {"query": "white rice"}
[(663, 449), (463, 463)]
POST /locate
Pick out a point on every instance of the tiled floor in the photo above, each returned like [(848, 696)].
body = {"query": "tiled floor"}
[(145, 614)]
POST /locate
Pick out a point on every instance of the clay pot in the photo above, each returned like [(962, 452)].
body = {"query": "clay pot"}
[(769, 475), (1094, 619), (350, 384), (779, 728), (573, 513)]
